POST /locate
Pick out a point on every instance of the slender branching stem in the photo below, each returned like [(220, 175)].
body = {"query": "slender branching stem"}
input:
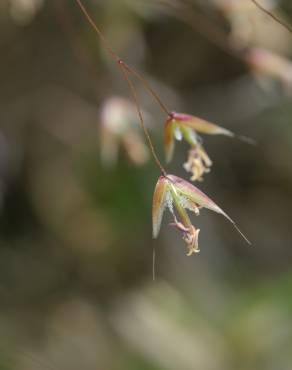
[(126, 70), (65, 18), (139, 111), (117, 59), (153, 263), (149, 89), (273, 16), (97, 30)]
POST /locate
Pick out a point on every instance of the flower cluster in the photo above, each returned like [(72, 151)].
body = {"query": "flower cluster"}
[(170, 191), (175, 193), (180, 126), (178, 196)]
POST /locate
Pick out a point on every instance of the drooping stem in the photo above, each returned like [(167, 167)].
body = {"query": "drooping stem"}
[(139, 111), (117, 59), (126, 70), (97, 30), (149, 89), (153, 263), (81, 53), (273, 16)]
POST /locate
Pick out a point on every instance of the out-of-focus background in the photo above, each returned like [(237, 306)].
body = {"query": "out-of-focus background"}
[(76, 185)]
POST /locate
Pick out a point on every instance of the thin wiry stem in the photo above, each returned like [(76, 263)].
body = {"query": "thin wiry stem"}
[(65, 18), (97, 30), (153, 263), (118, 59), (139, 111), (149, 89), (125, 69), (273, 16)]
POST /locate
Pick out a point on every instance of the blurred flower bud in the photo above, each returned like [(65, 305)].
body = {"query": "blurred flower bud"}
[(23, 11), (119, 128), (250, 26), (266, 63)]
